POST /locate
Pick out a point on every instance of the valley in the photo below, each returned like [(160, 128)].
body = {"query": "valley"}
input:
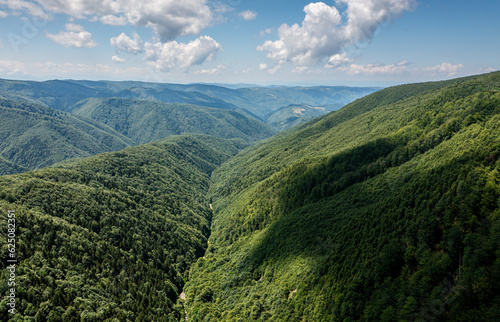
[(254, 204)]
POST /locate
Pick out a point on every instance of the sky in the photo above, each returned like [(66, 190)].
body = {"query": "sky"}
[(292, 42)]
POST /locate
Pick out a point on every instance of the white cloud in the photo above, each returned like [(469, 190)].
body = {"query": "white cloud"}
[(248, 15), (267, 31), (21, 5), (168, 18), (274, 70), (213, 71), (444, 68), (117, 59), (262, 66), (323, 33), (338, 60), (299, 69), (74, 27), (124, 43), (3, 14), (113, 20), (378, 69), (76, 36), (9, 67), (166, 56)]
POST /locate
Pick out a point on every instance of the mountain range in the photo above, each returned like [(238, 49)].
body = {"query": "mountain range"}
[(46, 122), (386, 209)]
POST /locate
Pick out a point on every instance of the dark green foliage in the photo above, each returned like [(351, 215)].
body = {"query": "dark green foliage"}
[(385, 210), (146, 120), (34, 136), (111, 236)]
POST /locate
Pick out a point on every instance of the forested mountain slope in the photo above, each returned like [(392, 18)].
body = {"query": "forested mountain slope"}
[(34, 136), (58, 94), (255, 102), (146, 121), (111, 237), (385, 210), (293, 115)]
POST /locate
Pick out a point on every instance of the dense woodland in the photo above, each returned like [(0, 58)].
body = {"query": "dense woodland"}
[(385, 210), (111, 237)]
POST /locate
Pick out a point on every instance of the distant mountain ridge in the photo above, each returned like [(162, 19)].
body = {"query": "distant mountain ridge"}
[(147, 121), (256, 101), (116, 115)]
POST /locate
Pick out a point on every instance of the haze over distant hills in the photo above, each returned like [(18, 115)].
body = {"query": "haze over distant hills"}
[(60, 119)]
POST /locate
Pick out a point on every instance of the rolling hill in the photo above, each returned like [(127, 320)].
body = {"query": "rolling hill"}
[(293, 115), (256, 102), (34, 136), (385, 210), (111, 237), (147, 120)]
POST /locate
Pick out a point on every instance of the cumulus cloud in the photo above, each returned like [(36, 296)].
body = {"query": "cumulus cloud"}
[(74, 27), (274, 70), (262, 66), (168, 18), (444, 68), (248, 15), (117, 59), (338, 60), (124, 43), (75, 36), (377, 69), (324, 33), (113, 20), (21, 5), (212, 71), (166, 56)]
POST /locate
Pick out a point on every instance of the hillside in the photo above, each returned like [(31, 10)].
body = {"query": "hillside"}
[(265, 100), (34, 136), (293, 115), (146, 121), (111, 237), (385, 210), (256, 102), (58, 94)]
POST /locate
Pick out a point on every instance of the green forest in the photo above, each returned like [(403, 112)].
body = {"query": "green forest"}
[(387, 209), (111, 237)]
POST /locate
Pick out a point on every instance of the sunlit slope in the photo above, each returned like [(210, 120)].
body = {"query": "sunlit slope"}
[(384, 210), (111, 237)]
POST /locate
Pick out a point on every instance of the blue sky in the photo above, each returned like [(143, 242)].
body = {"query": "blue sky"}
[(351, 42)]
